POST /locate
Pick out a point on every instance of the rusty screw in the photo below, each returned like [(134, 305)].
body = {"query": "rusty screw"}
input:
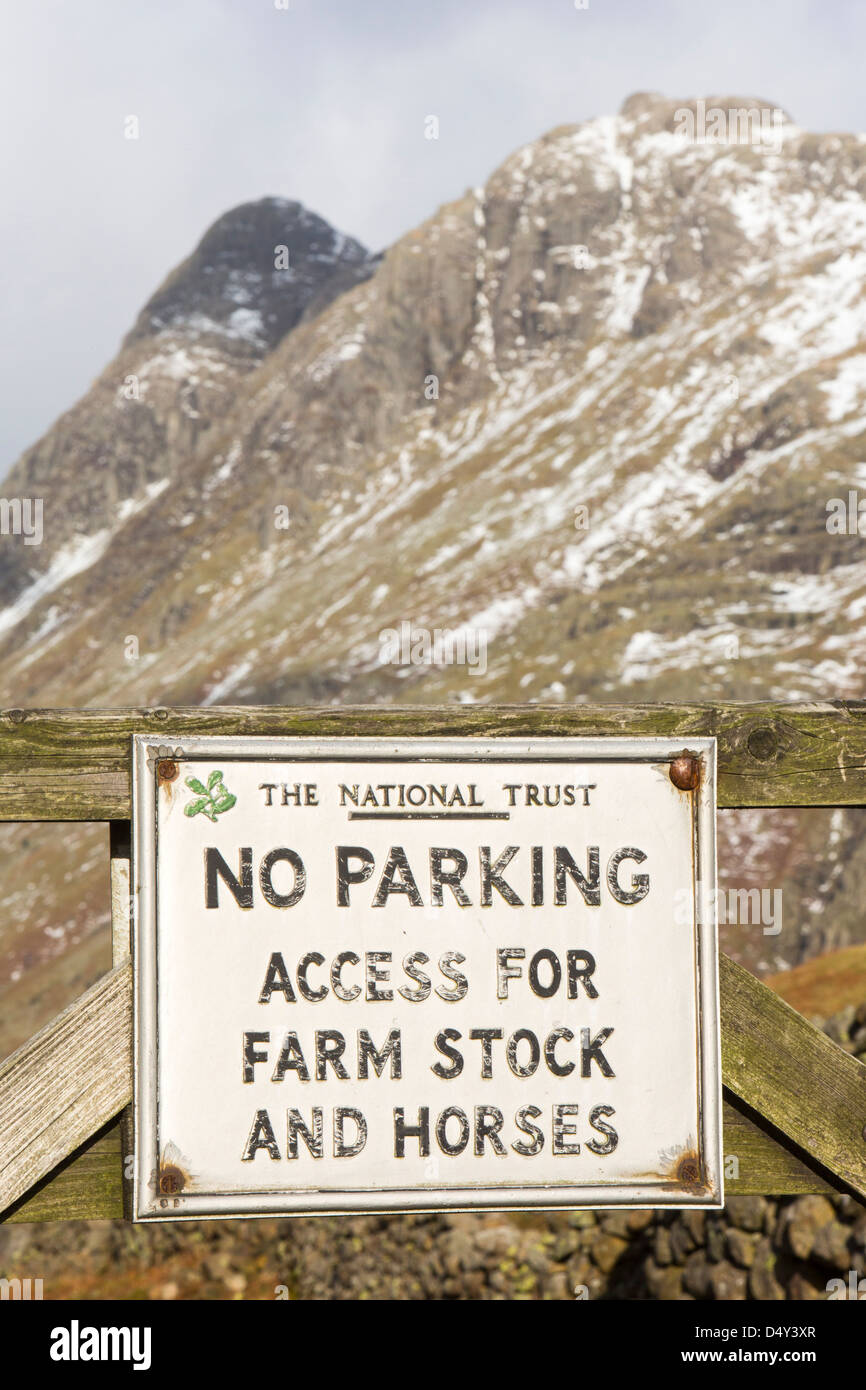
[(167, 770), (688, 1170), (171, 1180), (686, 772)]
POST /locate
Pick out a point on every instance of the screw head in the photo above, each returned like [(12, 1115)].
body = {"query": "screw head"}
[(171, 1181), (685, 772), (689, 1170), (167, 770)]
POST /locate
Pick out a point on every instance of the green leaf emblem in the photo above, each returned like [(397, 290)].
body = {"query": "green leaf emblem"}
[(211, 800)]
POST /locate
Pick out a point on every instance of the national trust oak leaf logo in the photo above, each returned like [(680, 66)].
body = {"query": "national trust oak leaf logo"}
[(211, 800)]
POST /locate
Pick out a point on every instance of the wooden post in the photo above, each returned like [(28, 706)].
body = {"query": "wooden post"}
[(121, 950)]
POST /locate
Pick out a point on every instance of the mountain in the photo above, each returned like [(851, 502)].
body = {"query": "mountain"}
[(589, 416), (259, 271)]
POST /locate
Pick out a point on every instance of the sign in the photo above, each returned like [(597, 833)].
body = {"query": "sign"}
[(395, 975)]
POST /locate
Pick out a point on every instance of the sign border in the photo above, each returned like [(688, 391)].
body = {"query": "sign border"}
[(148, 1205)]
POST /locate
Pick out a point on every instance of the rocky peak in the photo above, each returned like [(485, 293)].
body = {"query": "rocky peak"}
[(651, 113), (255, 273)]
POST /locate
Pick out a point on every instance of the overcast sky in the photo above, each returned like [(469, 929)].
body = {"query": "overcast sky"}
[(325, 102)]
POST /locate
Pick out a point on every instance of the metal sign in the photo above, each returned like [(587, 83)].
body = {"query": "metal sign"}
[(391, 975)]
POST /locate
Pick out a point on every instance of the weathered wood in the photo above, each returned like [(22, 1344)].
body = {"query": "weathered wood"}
[(792, 1074), (75, 764), (766, 1163), (87, 1187), (65, 1083), (119, 870), (121, 946)]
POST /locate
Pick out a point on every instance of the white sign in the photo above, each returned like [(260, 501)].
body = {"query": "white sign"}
[(406, 974)]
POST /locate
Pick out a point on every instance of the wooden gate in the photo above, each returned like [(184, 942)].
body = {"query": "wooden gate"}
[(794, 1102)]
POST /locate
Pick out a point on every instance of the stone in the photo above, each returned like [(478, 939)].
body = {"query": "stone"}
[(695, 1223), (802, 1288), (578, 1270), (537, 1256), (715, 1240), (830, 1246), (639, 1220), (495, 1240), (741, 1247), (665, 1284), (565, 1244), (682, 1242), (839, 1026), (616, 1223), (607, 1250), (802, 1221), (696, 1275), (662, 1246), (556, 1286), (763, 1283), (727, 1282), (461, 1252), (747, 1212)]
